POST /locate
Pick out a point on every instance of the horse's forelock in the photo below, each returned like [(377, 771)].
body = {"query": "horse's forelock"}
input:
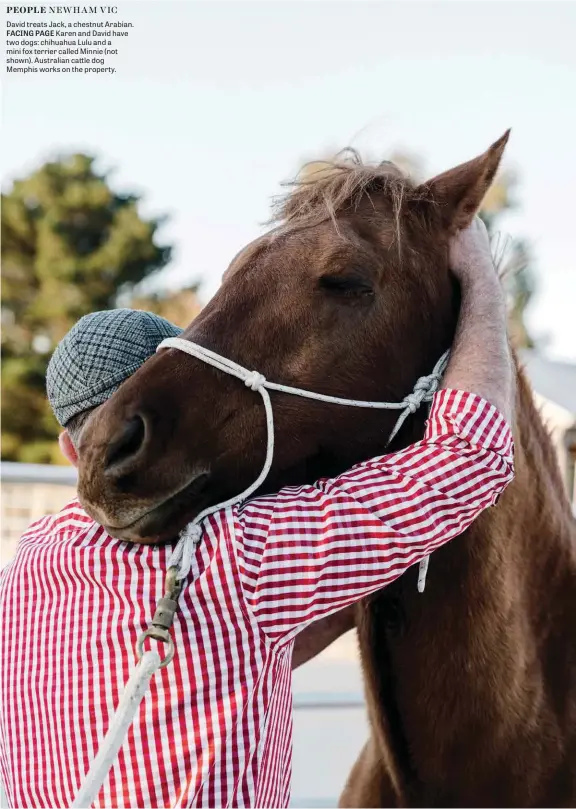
[(324, 189)]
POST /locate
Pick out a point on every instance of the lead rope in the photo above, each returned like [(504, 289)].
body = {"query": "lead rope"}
[(181, 558)]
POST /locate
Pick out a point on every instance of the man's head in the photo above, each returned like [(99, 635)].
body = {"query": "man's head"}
[(99, 353)]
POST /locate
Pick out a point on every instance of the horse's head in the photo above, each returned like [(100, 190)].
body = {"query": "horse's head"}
[(349, 295)]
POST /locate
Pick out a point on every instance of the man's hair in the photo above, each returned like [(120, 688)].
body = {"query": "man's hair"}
[(76, 424)]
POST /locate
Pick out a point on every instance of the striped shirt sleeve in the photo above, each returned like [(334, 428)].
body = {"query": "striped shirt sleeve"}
[(312, 550)]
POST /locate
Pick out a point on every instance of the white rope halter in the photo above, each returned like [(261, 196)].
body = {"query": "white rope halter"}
[(423, 391), (181, 559)]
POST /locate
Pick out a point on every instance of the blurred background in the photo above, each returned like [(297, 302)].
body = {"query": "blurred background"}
[(137, 190)]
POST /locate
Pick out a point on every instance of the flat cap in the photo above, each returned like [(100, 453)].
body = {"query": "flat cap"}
[(98, 354)]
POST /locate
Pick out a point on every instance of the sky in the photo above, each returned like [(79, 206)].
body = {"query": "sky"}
[(215, 103)]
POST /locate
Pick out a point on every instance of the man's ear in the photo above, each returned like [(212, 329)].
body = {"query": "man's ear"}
[(459, 192), (67, 448)]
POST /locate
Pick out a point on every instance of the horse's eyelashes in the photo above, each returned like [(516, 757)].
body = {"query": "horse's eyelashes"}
[(346, 285)]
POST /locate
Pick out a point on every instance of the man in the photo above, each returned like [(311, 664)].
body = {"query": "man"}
[(215, 729)]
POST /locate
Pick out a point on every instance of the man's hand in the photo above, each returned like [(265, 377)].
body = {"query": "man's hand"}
[(470, 256), (480, 360)]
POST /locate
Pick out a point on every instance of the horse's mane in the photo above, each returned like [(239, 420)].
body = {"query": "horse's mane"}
[(323, 188)]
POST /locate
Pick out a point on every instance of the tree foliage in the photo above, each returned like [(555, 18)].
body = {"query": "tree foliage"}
[(179, 307), (70, 245)]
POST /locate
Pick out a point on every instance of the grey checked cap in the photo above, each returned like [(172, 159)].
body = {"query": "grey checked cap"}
[(98, 354)]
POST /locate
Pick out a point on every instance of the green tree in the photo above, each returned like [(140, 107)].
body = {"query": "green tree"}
[(70, 245), (179, 307)]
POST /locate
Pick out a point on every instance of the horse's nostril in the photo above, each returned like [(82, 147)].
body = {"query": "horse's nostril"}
[(126, 446)]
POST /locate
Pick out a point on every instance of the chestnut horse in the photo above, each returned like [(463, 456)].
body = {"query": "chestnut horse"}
[(471, 686)]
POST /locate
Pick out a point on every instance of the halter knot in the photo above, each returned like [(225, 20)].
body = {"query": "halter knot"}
[(184, 551), (423, 390), (254, 380), (427, 385), (413, 401), (193, 533)]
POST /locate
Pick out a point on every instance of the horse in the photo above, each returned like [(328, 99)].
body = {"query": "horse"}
[(470, 686)]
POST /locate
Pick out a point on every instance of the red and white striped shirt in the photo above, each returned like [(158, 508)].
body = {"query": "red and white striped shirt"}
[(215, 728)]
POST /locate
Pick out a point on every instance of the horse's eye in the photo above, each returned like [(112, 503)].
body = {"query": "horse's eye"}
[(346, 285)]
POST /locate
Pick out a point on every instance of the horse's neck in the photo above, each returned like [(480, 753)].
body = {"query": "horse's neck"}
[(479, 661)]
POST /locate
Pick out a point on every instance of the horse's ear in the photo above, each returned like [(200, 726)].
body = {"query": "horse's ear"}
[(459, 192)]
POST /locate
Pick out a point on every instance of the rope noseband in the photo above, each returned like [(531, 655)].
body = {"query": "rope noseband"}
[(181, 559)]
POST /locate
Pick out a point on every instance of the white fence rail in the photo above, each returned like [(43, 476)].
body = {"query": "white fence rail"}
[(30, 491), (37, 473)]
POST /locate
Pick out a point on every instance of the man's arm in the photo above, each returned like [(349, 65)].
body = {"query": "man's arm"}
[(321, 634), (480, 359), (309, 551)]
